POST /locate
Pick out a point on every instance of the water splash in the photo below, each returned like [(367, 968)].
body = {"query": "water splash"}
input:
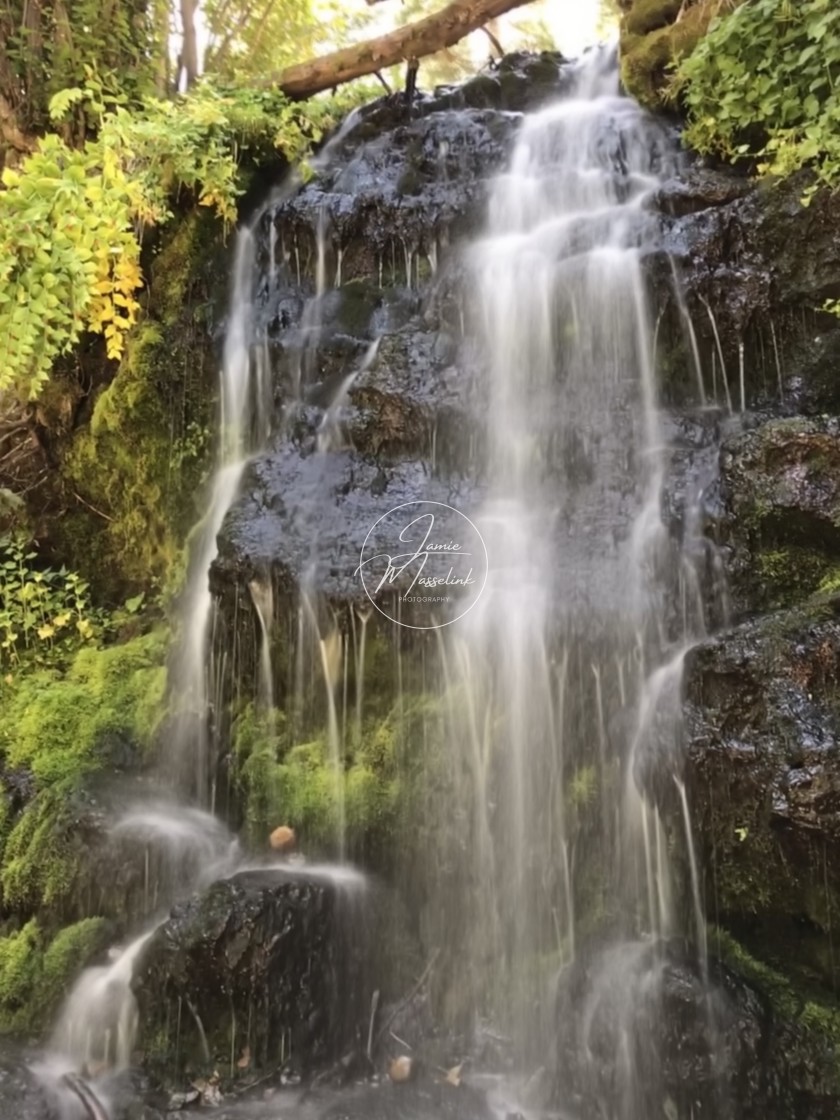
[(97, 1026)]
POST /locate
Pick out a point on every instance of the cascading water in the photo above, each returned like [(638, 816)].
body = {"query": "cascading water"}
[(556, 670), (244, 415)]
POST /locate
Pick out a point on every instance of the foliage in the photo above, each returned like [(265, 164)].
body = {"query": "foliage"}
[(45, 613), (71, 218), (249, 39), (49, 47), (762, 85)]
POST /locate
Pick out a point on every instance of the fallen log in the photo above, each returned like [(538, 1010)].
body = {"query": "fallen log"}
[(415, 40)]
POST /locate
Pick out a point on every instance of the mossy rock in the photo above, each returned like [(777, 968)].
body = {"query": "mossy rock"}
[(37, 969), (136, 466), (649, 15), (762, 770), (804, 1034), (62, 728), (781, 489), (653, 40)]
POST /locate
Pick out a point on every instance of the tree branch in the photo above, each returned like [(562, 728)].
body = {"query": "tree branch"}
[(415, 40)]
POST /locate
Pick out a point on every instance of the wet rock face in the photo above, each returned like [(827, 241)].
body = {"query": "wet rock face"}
[(763, 774), (638, 1030), (374, 405), (780, 484), (641, 1033), (21, 1094), (398, 177), (271, 965), (755, 265)]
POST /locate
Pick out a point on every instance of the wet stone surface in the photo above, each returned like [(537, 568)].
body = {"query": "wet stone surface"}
[(275, 963)]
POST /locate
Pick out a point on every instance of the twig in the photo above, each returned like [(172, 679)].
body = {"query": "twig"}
[(493, 40), (82, 1091), (204, 1047), (382, 82), (374, 1005), (423, 978), (93, 509)]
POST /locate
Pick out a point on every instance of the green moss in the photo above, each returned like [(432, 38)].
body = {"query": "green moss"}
[(649, 15), (55, 724), (18, 969), (137, 465), (298, 785), (36, 971), (806, 1006), (61, 727), (648, 57), (787, 576)]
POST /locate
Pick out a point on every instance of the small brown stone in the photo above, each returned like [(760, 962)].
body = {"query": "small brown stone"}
[(283, 839), (400, 1069)]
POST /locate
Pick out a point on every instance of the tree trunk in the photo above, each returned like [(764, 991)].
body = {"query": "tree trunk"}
[(14, 143), (189, 44), (415, 40)]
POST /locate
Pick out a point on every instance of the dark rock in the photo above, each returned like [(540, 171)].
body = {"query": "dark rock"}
[(423, 1099), (755, 265), (700, 188), (307, 515), (22, 1094), (780, 484), (763, 778), (640, 1032), (277, 961)]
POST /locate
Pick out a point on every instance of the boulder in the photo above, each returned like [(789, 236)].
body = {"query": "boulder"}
[(275, 963), (780, 484), (645, 1030), (762, 768)]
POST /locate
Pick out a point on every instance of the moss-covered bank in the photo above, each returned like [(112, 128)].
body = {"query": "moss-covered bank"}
[(132, 469), (63, 730), (655, 36)]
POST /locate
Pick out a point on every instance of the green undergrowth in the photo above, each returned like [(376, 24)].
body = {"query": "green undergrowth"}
[(762, 85)]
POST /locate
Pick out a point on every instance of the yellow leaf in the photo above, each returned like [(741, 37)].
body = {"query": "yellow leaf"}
[(45, 631)]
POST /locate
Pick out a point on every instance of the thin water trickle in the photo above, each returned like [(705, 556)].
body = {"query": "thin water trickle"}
[(243, 417)]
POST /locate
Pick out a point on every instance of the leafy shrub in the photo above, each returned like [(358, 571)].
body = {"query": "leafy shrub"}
[(762, 84)]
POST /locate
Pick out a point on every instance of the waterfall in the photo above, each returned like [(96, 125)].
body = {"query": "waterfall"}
[(558, 668), (561, 682), (244, 412)]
